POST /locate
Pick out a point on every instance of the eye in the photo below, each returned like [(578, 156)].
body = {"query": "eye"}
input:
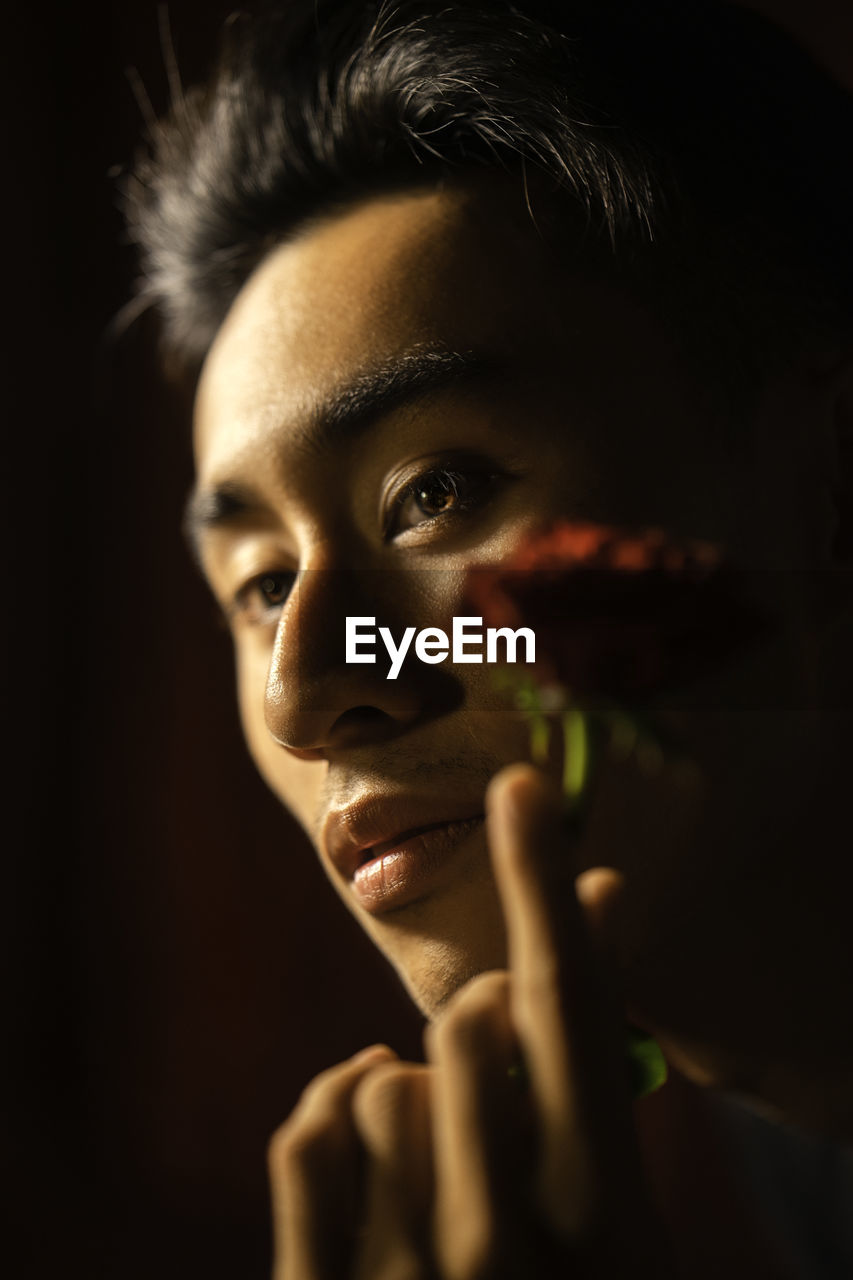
[(261, 598), (437, 494)]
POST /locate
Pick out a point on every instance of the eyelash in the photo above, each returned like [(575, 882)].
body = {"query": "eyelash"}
[(467, 487)]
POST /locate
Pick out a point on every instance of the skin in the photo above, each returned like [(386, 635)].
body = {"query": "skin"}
[(588, 410)]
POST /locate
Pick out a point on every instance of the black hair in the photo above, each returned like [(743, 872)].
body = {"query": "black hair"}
[(693, 151)]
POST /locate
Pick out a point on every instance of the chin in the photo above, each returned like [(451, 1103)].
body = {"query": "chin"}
[(444, 967), (432, 993), (439, 943)]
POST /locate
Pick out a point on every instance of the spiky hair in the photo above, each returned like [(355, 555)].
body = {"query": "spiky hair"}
[(692, 150)]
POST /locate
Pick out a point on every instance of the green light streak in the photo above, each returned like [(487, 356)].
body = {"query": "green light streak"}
[(575, 754)]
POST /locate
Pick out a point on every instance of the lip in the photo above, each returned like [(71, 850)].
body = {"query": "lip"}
[(389, 848)]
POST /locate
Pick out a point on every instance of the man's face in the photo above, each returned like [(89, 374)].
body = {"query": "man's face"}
[(354, 445)]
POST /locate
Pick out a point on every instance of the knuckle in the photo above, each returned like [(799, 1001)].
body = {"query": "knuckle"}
[(487, 990), (474, 1013), (318, 1127), (381, 1098), (298, 1144), (280, 1147), (324, 1085)]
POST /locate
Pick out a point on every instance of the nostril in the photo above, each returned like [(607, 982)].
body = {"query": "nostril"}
[(365, 713), (363, 716), (362, 722)]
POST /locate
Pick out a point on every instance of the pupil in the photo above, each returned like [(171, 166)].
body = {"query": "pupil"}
[(439, 497)]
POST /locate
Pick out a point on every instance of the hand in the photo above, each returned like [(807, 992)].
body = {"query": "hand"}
[(461, 1170)]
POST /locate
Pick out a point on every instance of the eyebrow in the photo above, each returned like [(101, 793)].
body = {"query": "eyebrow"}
[(339, 416)]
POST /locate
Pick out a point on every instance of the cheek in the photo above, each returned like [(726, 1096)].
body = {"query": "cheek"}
[(251, 668), (295, 782)]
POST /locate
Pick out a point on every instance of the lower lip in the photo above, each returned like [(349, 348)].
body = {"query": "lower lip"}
[(408, 870)]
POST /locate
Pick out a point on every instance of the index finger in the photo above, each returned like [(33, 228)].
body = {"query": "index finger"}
[(570, 1031)]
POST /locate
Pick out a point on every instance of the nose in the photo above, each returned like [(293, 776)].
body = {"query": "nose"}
[(315, 702)]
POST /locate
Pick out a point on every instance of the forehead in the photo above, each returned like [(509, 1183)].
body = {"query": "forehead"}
[(462, 268), (362, 286)]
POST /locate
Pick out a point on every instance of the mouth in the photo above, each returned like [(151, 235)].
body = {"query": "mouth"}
[(398, 871), (389, 857)]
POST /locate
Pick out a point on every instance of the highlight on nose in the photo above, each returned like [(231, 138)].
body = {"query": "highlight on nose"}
[(315, 699)]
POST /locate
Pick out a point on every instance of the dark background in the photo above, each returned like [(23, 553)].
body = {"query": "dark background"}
[(178, 967)]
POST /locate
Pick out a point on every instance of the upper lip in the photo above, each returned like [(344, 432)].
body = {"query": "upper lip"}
[(375, 819)]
